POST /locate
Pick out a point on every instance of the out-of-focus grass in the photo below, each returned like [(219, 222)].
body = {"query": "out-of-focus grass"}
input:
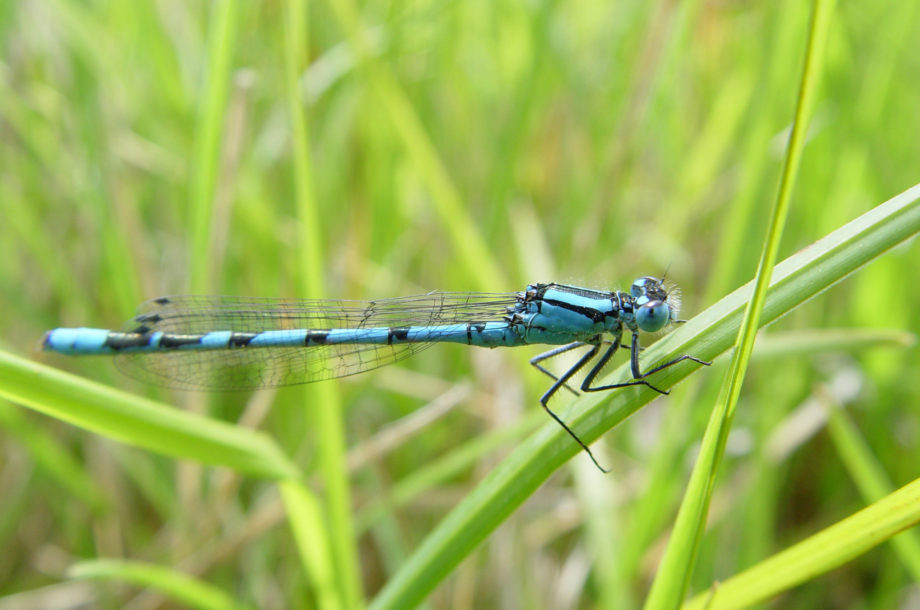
[(579, 142)]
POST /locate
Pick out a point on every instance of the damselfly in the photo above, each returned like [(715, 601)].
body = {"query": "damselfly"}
[(233, 343)]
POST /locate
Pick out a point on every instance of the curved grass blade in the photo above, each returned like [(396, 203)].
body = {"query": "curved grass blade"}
[(817, 554), (175, 585), (140, 422)]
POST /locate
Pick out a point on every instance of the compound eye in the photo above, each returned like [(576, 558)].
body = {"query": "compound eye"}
[(640, 286), (652, 316)]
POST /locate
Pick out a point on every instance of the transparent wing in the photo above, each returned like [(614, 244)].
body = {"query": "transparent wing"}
[(238, 369)]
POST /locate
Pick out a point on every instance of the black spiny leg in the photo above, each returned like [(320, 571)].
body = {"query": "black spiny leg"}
[(536, 360), (634, 357), (638, 376), (634, 361), (561, 382)]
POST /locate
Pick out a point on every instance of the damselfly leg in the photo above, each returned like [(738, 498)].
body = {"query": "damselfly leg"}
[(536, 360), (638, 376), (596, 343), (561, 381)]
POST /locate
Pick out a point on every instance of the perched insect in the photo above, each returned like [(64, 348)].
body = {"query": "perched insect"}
[(234, 343)]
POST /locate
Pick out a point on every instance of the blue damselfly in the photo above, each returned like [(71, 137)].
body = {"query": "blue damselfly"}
[(234, 343)]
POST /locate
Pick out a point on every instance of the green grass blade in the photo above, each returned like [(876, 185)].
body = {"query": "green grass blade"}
[(179, 587), (138, 421), (305, 516), (821, 341), (676, 568), (310, 281), (795, 280), (817, 554), (310, 249), (208, 136)]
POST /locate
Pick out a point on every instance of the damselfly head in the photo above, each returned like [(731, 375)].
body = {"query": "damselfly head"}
[(656, 303)]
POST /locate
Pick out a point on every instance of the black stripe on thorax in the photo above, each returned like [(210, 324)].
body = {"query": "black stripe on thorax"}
[(594, 315)]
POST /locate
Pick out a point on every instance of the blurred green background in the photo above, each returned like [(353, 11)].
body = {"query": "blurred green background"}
[(150, 148)]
